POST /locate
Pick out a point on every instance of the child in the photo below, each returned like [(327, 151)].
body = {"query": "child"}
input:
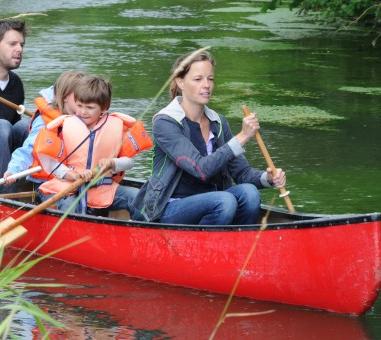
[(92, 137), (22, 158)]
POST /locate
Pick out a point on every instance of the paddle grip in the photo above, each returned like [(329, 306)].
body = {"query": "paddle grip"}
[(22, 174), (14, 106)]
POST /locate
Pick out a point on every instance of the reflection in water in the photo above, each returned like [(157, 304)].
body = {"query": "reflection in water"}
[(99, 305)]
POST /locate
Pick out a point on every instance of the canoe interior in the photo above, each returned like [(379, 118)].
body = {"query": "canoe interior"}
[(24, 195)]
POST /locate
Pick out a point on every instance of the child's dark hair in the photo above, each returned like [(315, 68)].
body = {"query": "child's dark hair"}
[(93, 89)]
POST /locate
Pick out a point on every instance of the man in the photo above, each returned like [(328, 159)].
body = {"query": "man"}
[(13, 129)]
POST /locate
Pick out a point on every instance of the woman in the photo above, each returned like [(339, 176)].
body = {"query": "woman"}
[(197, 159)]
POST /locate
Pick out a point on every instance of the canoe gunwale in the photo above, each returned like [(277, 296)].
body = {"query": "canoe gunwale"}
[(301, 220)]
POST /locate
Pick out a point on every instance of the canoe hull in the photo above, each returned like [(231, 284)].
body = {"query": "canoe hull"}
[(330, 267), (137, 305)]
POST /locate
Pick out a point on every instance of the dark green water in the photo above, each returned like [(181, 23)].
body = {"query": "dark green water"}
[(318, 94)]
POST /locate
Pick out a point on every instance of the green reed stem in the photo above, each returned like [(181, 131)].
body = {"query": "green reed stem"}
[(241, 272)]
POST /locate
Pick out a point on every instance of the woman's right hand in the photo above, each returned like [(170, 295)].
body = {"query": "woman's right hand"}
[(250, 125), (72, 176), (8, 180)]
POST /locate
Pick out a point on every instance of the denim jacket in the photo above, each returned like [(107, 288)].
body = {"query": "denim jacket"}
[(174, 153)]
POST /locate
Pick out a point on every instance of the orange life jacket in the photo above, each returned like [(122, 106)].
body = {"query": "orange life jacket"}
[(47, 113), (48, 143), (115, 136), (45, 110), (136, 140)]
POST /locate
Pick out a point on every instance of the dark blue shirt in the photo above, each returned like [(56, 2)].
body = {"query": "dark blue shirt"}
[(190, 185)]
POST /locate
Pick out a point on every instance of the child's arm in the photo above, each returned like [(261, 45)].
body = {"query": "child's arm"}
[(117, 164), (62, 171), (22, 158), (51, 165)]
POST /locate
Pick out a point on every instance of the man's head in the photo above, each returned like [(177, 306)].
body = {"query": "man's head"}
[(12, 39)]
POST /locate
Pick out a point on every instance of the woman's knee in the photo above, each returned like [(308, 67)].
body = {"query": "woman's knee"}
[(249, 203), (248, 197), (250, 193), (227, 204)]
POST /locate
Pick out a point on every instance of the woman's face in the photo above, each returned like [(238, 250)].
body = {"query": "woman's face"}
[(70, 106), (197, 85)]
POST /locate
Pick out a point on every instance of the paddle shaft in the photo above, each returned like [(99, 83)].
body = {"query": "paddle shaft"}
[(14, 106), (43, 205), (46, 204), (22, 174), (269, 162)]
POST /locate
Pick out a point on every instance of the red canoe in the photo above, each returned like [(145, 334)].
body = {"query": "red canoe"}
[(330, 262)]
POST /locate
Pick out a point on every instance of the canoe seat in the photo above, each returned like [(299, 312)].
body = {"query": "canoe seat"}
[(122, 214), (24, 196)]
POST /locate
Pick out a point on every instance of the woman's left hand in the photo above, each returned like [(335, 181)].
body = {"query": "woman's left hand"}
[(279, 180)]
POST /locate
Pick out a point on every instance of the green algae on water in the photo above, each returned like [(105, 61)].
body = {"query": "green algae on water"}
[(238, 9), (376, 91), (238, 89), (300, 116), (288, 24), (318, 65), (253, 45)]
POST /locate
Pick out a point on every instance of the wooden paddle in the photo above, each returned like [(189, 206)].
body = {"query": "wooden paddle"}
[(19, 108), (262, 147), (22, 174), (11, 229)]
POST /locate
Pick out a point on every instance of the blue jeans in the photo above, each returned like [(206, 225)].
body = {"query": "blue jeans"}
[(240, 204), (122, 200), (11, 137)]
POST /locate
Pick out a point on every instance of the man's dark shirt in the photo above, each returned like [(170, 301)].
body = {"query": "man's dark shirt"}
[(14, 92)]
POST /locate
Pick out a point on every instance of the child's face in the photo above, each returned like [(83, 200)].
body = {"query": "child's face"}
[(89, 113), (70, 105)]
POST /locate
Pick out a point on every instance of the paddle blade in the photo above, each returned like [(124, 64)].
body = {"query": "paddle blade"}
[(11, 235)]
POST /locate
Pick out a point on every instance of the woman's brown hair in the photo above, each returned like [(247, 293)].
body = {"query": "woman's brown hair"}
[(181, 67), (65, 85)]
